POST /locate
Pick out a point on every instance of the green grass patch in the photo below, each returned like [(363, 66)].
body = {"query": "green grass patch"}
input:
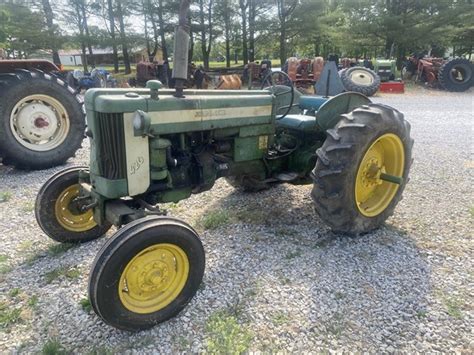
[(86, 305), (65, 271), (225, 335), (5, 269), (453, 307), (252, 216), (14, 292), (28, 207), (25, 245), (33, 302), (215, 219), (3, 258), (8, 315), (280, 318), (53, 347), (60, 248), (5, 196), (471, 211)]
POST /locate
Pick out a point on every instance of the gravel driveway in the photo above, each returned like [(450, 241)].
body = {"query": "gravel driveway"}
[(276, 277)]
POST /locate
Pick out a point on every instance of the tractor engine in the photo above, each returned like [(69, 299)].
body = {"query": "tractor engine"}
[(161, 149)]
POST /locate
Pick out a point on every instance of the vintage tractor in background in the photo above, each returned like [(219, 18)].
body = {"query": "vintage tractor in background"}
[(42, 122), (451, 75), (304, 72), (152, 146), (385, 69)]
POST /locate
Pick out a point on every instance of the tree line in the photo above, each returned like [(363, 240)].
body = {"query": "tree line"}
[(239, 30)]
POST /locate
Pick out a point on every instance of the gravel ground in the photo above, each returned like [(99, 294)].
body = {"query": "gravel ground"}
[(276, 277)]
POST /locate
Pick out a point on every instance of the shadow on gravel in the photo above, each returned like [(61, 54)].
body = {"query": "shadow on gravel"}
[(369, 290)]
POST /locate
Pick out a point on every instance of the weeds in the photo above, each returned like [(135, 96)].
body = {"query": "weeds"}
[(53, 347), (280, 318), (60, 248), (86, 305), (14, 292), (5, 196), (226, 335), (215, 219), (66, 271), (8, 316)]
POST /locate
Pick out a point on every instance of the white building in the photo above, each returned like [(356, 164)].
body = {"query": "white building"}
[(70, 57)]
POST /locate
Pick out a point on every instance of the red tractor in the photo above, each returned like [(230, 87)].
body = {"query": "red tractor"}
[(452, 75), (304, 72), (42, 120)]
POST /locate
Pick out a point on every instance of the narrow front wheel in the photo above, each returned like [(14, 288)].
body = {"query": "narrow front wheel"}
[(146, 273)]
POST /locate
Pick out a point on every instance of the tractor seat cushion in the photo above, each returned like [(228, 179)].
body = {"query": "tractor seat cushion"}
[(298, 122)]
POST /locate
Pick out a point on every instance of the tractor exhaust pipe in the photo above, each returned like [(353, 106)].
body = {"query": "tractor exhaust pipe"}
[(181, 48)]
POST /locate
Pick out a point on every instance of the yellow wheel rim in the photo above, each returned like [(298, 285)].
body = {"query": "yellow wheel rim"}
[(385, 155), (153, 278), (70, 219)]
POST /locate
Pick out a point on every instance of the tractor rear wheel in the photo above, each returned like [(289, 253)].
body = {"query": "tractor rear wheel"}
[(361, 80), (456, 75), (57, 210), (146, 273), (362, 169), (41, 120)]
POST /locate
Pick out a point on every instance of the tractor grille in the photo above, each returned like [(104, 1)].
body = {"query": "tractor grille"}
[(111, 146)]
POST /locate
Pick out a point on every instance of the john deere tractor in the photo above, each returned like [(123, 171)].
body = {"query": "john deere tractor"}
[(151, 146)]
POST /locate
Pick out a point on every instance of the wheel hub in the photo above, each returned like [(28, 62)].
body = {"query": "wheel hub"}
[(36, 122), (67, 213), (39, 122), (379, 175), (153, 278), (361, 78)]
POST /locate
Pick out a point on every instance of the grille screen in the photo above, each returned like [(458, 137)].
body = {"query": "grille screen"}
[(111, 146)]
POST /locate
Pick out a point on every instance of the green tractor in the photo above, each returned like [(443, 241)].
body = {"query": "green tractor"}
[(385, 68), (151, 146)]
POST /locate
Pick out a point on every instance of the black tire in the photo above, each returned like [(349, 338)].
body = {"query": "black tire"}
[(338, 162), (127, 243), (368, 89), (21, 85), (45, 209), (448, 75)]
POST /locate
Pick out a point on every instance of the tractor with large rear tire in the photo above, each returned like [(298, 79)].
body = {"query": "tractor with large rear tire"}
[(152, 146), (42, 121)]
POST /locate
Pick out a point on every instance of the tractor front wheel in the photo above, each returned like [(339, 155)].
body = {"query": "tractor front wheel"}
[(146, 273), (58, 213), (362, 169)]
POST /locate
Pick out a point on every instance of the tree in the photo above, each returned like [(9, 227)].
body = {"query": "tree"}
[(123, 37), (49, 15), (206, 29)]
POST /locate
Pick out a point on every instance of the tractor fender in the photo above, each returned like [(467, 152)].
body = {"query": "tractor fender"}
[(328, 114)]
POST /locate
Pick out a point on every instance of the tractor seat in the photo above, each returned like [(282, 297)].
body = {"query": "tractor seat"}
[(298, 122)]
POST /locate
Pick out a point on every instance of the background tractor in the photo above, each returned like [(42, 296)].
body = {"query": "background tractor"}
[(151, 146), (42, 122), (452, 75)]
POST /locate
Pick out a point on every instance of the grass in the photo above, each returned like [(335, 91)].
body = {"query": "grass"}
[(60, 248), (280, 318), (252, 216), (28, 207), (5, 196), (86, 305), (66, 271), (53, 347), (8, 315), (215, 219), (453, 307), (33, 302), (14, 292), (471, 211), (225, 335), (3, 258)]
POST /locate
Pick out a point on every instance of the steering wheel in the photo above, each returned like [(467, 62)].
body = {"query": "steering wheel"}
[(280, 84)]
